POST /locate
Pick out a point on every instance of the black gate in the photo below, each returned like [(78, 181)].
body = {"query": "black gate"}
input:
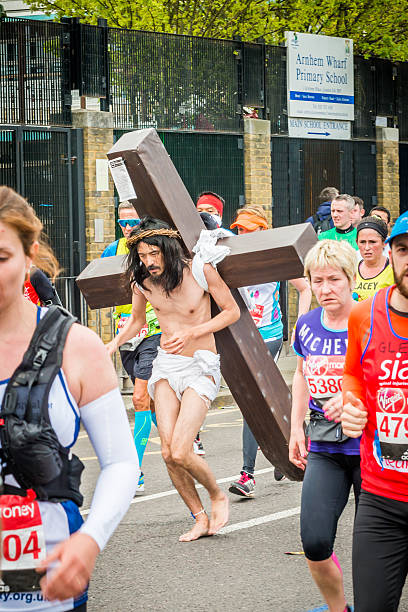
[(43, 164), (301, 168), (403, 172)]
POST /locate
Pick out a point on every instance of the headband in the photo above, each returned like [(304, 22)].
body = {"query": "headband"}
[(212, 200), (373, 225), (148, 233)]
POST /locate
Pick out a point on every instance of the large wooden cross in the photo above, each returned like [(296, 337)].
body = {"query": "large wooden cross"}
[(147, 177)]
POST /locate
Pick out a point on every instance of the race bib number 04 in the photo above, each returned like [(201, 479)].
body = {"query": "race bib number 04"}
[(22, 542)]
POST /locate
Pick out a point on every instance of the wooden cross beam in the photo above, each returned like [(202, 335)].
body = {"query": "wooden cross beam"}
[(146, 176)]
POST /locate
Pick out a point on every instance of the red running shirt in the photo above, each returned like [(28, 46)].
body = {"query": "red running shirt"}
[(376, 371)]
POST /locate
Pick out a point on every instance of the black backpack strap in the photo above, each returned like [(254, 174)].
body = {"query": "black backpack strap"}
[(27, 391)]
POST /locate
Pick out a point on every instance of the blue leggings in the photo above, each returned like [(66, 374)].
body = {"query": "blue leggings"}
[(249, 443)]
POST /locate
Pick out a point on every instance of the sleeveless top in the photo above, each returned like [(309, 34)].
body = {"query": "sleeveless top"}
[(265, 309), (366, 287), (323, 351), (59, 520), (384, 444)]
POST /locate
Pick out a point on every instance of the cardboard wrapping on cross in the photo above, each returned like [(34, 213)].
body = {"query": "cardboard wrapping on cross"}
[(259, 257), (146, 175)]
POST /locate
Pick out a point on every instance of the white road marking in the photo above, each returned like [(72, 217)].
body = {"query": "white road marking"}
[(260, 520), (211, 413), (146, 498)]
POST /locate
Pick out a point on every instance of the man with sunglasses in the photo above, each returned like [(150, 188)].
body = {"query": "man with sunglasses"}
[(137, 355)]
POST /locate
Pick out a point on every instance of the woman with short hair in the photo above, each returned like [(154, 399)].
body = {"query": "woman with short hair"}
[(332, 461)]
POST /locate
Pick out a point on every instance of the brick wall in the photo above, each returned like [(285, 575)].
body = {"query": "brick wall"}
[(97, 128), (257, 163), (388, 192)]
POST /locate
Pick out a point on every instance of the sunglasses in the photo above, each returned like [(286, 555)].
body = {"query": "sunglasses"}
[(130, 222)]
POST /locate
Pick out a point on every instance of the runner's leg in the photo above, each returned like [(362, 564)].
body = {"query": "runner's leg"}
[(249, 449), (325, 492), (167, 412), (380, 553), (192, 414)]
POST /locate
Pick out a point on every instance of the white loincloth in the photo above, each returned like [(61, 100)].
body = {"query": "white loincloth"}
[(182, 372)]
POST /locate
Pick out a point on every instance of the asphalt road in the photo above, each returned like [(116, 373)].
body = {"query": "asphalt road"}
[(144, 567)]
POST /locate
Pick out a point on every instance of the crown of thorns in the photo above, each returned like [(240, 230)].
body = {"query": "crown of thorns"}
[(152, 232)]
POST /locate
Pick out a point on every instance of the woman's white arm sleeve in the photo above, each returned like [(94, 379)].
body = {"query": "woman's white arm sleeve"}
[(107, 425)]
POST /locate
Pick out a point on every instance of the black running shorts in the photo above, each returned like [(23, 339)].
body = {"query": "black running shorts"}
[(138, 363)]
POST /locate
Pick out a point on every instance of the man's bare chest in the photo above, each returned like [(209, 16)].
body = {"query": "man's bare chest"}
[(185, 300)]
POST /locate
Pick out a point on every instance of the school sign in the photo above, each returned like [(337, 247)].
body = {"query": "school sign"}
[(320, 76)]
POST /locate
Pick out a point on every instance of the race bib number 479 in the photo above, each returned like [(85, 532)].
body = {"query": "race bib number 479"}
[(392, 422), (22, 542)]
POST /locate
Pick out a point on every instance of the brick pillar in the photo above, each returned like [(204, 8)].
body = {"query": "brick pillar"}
[(257, 163), (97, 128), (388, 169)]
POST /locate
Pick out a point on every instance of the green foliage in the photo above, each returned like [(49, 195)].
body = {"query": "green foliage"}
[(378, 27)]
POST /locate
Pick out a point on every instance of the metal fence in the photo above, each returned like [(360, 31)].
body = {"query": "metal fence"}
[(167, 81), (34, 73), (173, 82), (45, 164)]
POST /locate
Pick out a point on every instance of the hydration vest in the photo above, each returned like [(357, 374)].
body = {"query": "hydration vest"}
[(30, 449)]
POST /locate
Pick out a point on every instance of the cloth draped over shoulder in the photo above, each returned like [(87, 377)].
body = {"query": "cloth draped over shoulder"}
[(207, 251)]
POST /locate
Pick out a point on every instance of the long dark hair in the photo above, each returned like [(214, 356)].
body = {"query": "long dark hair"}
[(175, 260)]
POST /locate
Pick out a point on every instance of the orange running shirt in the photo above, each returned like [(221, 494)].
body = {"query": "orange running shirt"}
[(375, 369)]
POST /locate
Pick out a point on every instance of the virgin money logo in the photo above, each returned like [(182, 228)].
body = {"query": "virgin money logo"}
[(391, 400), (317, 365)]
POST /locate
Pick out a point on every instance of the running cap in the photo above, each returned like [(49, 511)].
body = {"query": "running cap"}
[(400, 227), (249, 221), (211, 200)]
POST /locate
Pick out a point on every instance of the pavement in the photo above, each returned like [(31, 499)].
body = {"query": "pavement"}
[(245, 567)]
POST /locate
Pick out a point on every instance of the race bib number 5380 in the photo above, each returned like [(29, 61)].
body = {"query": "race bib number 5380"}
[(323, 375)]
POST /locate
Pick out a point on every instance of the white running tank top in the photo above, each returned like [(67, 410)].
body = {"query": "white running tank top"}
[(59, 519)]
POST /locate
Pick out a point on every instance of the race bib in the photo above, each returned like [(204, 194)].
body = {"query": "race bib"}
[(22, 543), (392, 423), (257, 313), (121, 322), (323, 375)]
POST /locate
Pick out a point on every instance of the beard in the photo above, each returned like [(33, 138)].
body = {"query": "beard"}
[(155, 279), (399, 281)]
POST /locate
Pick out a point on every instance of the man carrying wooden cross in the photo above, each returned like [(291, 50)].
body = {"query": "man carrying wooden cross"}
[(186, 373)]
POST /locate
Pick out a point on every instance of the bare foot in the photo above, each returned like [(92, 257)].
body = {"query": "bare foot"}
[(219, 513), (199, 530)]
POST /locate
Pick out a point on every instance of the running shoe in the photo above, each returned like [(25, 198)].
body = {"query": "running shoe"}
[(140, 484), (198, 447), (278, 475), (245, 486)]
